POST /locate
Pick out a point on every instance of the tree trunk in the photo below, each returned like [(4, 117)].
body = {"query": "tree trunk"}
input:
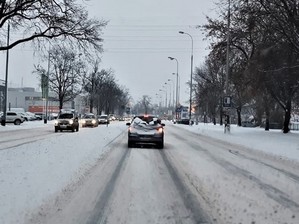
[(60, 104), (267, 125), (239, 116), (221, 114), (287, 118)]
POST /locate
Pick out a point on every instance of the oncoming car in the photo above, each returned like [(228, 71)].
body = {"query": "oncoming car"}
[(89, 120), (103, 119), (146, 129), (67, 121)]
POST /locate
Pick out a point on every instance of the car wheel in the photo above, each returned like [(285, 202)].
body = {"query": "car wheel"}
[(17, 122), (77, 129), (160, 145), (130, 144), (56, 129)]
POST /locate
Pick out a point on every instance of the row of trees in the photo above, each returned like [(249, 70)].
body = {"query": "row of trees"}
[(69, 75), (263, 59), (64, 33)]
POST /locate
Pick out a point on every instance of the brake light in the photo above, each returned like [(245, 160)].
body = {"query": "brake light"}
[(160, 130)]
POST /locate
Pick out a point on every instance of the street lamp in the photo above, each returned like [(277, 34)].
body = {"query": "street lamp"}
[(162, 90), (177, 81), (190, 108), (172, 92), (3, 120)]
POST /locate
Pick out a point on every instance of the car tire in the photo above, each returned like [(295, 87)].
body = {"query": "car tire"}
[(77, 129), (130, 144), (160, 145), (56, 129), (17, 122)]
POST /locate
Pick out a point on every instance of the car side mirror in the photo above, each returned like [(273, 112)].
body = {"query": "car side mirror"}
[(128, 124), (163, 124)]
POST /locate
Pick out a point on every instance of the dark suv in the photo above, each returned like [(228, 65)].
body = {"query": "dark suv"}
[(67, 121)]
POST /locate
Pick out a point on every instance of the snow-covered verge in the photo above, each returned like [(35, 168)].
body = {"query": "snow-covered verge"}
[(33, 172), (272, 142)]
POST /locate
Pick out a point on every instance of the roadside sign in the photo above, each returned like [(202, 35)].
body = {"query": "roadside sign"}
[(227, 101)]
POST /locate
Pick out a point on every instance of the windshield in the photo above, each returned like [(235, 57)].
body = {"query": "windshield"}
[(151, 111), (89, 116), (66, 116)]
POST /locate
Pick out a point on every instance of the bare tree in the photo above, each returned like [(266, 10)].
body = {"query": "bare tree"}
[(65, 73), (49, 19)]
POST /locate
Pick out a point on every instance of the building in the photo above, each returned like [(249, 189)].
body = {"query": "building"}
[(32, 100)]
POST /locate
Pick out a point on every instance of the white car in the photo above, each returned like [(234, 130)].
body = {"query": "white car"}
[(13, 117)]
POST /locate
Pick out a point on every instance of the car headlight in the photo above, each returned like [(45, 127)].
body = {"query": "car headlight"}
[(93, 121), (132, 130), (56, 123), (71, 121), (83, 121)]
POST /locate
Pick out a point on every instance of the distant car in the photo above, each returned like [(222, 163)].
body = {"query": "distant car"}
[(13, 117), (249, 124), (66, 121), (89, 120), (39, 116), (103, 119), (146, 129)]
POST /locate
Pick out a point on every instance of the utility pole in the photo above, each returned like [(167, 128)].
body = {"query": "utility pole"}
[(3, 121)]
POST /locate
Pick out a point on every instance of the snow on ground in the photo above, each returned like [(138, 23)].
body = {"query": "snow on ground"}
[(33, 172), (273, 141)]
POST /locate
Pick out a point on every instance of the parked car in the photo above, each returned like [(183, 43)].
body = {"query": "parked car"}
[(103, 119), (248, 124), (13, 117), (146, 129), (66, 121), (89, 120)]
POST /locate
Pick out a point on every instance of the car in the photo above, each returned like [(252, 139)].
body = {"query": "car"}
[(66, 120), (89, 120), (103, 119), (249, 124), (13, 117), (146, 129)]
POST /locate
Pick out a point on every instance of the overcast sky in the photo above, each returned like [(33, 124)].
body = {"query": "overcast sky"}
[(138, 40)]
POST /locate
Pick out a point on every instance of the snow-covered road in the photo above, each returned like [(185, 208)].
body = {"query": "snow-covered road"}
[(195, 179)]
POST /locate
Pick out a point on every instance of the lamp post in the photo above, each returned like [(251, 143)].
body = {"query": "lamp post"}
[(177, 81), (172, 92), (162, 90), (190, 106), (3, 121)]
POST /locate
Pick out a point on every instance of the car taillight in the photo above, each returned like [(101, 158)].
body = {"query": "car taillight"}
[(160, 130)]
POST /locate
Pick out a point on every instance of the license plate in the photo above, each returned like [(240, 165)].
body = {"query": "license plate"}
[(63, 126)]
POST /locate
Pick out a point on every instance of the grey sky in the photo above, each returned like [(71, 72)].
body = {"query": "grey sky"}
[(139, 38)]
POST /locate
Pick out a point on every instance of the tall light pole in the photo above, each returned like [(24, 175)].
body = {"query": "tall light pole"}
[(227, 49), (172, 92), (3, 121), (190, 106), (162, 90), (177, 81)]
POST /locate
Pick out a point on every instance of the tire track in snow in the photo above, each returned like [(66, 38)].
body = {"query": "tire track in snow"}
[(271, 191), (98, 214), (190, 202)]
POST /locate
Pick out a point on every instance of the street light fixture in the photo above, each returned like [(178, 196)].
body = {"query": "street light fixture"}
[(172, 92), (177, 82), (190, 106), (162, 90)]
